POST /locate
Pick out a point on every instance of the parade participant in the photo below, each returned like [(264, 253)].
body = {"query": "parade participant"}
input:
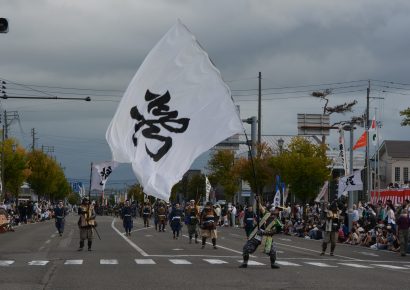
[(59, 215), (248, 220), (146, 214), (192, 215), (403, 224), (208, 221), (263, 236), (175, 218), (126, 216), (162, 216), (332, 225), (86, 223)]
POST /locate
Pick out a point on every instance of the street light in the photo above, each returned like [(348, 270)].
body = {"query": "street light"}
[(280, 145)]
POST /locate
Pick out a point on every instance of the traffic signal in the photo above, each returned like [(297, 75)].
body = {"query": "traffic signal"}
[(4, 25)]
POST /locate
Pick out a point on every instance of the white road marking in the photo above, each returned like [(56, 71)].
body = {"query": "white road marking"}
[(177, 249), (310, 250), (285, 263), (48, 241), (222, 247), (180, 262), (138, 249), (215, 261), (390, 266), (356, 265), (368, 254), (254, 263), (145, 261), (53, 235), (5, 263), (73, 262), (108, 262), (280, 252), (38, 263), (286, 240), (148, 236), (318, 264)]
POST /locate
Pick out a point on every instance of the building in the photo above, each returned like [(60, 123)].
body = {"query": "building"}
[(394, 163)]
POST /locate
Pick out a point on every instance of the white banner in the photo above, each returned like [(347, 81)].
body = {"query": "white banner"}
[(322, 192), (350, 182), (207, 188), (276, 200), (100, 174), (175, 108), (373, 132)]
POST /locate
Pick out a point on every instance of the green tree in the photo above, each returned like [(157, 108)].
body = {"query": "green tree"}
[(196, 187), (136, 192), (304, 167)]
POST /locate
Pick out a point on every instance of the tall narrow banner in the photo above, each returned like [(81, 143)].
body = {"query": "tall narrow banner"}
[(342, 149), (373, 132), (207, 188), (322, 192), (350, 182), (176, 107), (100, 174), (276, 199)]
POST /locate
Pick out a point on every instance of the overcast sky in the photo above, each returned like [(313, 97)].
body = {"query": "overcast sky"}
[(93, 48)]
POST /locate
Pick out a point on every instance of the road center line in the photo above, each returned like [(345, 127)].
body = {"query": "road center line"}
[(138, 249)]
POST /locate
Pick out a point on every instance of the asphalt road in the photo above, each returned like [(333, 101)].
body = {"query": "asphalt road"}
[(36, 257)]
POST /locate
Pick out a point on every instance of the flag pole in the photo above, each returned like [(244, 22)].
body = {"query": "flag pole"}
[(91, 175)]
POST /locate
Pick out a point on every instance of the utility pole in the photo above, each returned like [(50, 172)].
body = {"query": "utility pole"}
[(33, 135), (260, 108), (367, 176)]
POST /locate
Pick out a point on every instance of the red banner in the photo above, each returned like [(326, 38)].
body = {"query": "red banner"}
[(397, 196)]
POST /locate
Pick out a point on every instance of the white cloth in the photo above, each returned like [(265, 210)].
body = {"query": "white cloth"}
[(350, 182), (175, 108), (100, 174)]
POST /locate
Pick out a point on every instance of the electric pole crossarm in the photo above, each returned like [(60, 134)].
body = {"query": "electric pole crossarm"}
[(45, 98)]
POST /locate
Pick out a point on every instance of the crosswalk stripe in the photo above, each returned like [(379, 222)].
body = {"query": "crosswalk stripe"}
[(108, 261), (215, 261), (389, 266), (285, 263), (253, 263), (179, 262), (37, 263), (5, 263), (145, 261), (318, 264), (73, 262), (356, 265)]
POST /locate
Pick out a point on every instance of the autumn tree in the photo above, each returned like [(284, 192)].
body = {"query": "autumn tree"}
[(261, 173), (47, 177), (304, 167), (221, 172), (15, 167)]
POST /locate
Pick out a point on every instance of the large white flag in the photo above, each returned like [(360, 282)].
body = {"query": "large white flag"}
[(175, 108), (100, 174), (350, 182)]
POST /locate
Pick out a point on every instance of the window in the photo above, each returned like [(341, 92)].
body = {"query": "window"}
[(397, 174), (405, 174)]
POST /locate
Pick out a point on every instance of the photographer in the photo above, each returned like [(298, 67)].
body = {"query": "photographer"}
[(332, 225)]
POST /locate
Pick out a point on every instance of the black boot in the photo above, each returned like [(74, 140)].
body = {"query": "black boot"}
[(81, 246), (196, 239), (203, 242), (214, 243), (89, 245), (245, 261)]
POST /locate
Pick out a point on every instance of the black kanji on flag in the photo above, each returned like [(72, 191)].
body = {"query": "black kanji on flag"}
[(167, 120)]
